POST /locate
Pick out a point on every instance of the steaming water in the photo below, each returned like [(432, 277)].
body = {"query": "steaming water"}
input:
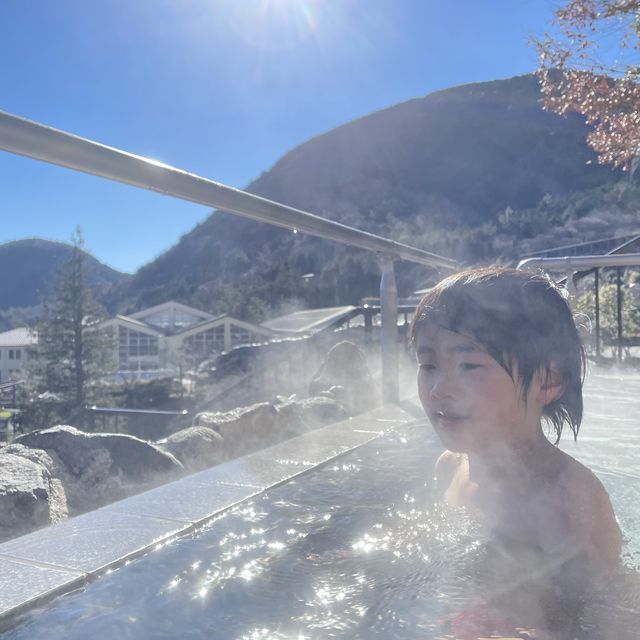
[(354, 550)]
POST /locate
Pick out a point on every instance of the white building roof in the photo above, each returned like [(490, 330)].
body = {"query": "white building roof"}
[(20, 337), (223, 319), (128, 321), (308, 320)]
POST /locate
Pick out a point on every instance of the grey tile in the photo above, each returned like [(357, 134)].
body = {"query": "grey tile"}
[(380, 419), (91, 542), (390, 413), (316, 447), (383, 417), (304, 451), (341, 434), (24, 584), (362, 422), (252, 471), (185, 500)]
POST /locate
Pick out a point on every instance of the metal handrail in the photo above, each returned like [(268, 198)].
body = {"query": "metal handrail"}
[(27, 138), (577, 263)]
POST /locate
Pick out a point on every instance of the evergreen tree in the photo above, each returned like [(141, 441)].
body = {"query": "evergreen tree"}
[(71, 355)]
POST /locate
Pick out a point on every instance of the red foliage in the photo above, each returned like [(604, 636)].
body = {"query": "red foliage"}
[(582, 69)]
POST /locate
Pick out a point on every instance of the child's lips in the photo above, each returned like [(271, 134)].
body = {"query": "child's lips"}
[(449, 419)]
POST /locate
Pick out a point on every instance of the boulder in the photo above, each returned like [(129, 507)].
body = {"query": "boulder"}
[(244, 429), (96, 469), (346, 366), (290, 419), (298, 416), (196, 447), (29, 496)]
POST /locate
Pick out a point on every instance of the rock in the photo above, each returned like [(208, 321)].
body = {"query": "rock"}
[(260, 425), (244, 429), (346, 366), (196, 447), (29, 496), (322, 410), (96, 469), (290, 419), (39, 456), (298, 416)]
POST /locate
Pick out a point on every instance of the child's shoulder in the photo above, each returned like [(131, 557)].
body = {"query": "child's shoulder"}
[(591, 520)]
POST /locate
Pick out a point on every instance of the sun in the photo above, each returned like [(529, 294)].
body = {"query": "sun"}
[(275, 25)]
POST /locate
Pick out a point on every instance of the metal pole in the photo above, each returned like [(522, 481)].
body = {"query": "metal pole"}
[(619, 309), (571, 285), (368, 324), (597, 287), (389, 313)]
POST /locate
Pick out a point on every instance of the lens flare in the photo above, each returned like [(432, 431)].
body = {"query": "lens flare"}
[(275, 25)]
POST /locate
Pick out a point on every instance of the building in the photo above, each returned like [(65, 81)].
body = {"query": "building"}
[(14, 346), (172, 335)]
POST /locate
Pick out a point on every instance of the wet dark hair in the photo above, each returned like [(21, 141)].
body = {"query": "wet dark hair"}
[(520, 318)]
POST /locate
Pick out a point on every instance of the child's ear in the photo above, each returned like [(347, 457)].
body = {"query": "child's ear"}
[(552, 385)]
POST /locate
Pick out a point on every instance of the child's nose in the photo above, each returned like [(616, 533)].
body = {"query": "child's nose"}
[(442, 385)]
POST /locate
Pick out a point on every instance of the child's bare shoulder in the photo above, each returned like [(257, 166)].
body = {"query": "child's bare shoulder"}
[(589, 512)]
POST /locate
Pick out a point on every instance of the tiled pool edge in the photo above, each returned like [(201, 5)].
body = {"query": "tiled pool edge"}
[(62, 558)]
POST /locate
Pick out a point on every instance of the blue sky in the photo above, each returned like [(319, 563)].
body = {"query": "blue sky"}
[(221, 88)]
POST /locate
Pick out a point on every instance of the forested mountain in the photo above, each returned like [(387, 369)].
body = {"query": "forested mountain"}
[(27, 267), (479, 173)]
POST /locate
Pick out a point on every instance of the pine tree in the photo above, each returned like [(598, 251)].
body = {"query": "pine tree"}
[(71, 355)]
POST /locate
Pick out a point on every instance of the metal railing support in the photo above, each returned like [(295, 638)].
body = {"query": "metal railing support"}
[(597, 313), (619, 310), (389, 342)]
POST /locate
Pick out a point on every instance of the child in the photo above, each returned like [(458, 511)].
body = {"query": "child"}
[(497, 351)]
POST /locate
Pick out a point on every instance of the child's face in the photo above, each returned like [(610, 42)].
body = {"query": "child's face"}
[(471, 401)]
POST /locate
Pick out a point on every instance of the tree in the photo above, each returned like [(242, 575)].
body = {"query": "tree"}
[(585, 68), (71, 354)]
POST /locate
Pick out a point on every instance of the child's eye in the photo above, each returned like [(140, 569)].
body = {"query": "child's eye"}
[(427, 367), (470, 366)]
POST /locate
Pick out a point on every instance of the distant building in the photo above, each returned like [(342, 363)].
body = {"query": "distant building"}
[(14, 346), (172, 334)]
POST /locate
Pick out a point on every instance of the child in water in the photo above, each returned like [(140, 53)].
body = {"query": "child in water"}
[(498, 351)]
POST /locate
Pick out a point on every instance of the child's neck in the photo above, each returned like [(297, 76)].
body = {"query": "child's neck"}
[(509, 462)]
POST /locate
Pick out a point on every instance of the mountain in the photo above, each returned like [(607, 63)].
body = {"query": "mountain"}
[(28, 267), (478, 172), (462, 154)]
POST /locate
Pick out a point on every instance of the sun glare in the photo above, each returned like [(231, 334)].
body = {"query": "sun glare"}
[(276, 25)]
